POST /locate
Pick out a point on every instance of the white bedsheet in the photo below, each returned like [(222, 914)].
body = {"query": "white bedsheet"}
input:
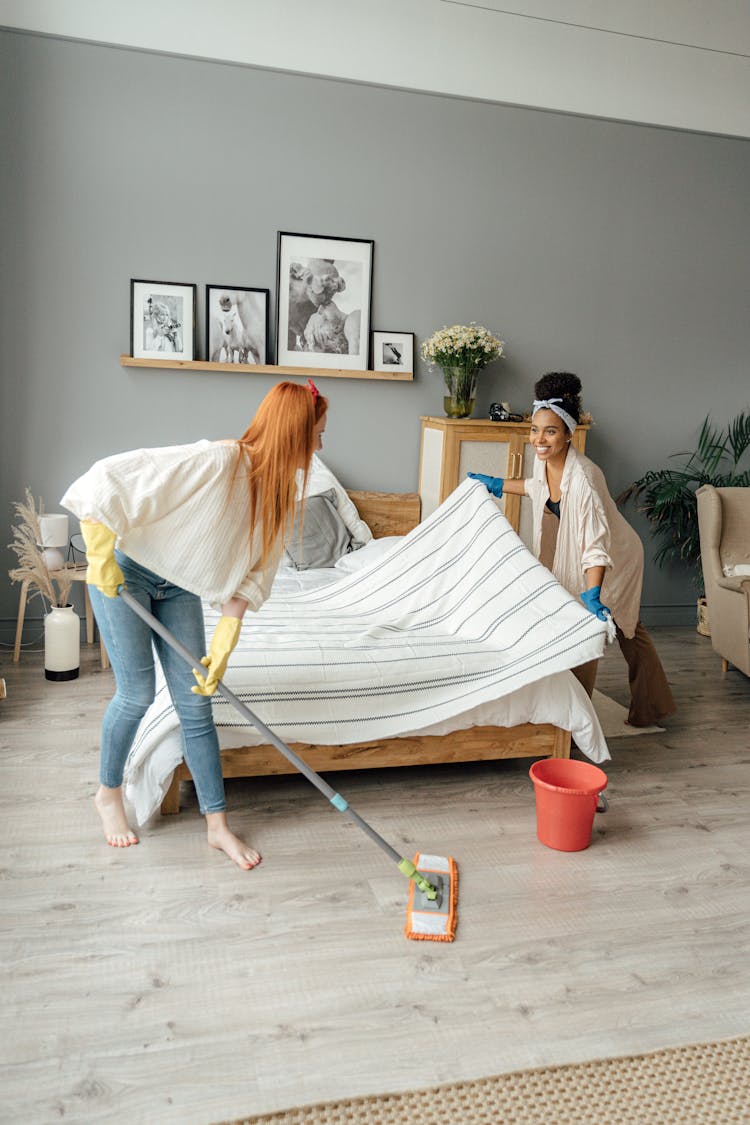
[(458, 625)]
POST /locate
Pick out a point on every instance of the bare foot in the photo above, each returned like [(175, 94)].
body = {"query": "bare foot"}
[(108, 803), (221, 838)]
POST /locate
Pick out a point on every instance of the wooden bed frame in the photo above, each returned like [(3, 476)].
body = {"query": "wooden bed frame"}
[(390, 513)]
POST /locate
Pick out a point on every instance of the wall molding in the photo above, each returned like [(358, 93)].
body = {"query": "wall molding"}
[(680, 67)]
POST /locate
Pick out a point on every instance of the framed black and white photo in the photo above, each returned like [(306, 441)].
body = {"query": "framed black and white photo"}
[(393, 352), (162, 320), (236, 324), (323, 297)]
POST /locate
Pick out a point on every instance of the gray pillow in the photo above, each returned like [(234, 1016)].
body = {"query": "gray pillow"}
[(325, 537)]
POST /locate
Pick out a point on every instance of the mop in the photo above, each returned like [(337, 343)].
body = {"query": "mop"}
[(431, 913)]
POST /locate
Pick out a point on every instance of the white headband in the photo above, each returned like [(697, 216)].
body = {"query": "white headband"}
[(550, 404)]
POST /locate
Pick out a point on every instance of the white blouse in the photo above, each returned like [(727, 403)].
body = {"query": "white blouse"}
[(592, 532), (181, 512)]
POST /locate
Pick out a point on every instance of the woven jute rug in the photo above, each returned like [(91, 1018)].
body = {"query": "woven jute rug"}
[(702, 1084)]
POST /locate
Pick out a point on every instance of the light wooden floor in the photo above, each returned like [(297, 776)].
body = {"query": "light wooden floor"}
[(162, 985)]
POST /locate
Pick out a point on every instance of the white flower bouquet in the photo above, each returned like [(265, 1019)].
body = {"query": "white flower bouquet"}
[(469, 346), (461, 352)]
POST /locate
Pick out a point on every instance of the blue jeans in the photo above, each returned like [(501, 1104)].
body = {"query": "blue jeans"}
[(129, 641)]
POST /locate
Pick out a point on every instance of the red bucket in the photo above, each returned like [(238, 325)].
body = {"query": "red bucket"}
[(567, 796)]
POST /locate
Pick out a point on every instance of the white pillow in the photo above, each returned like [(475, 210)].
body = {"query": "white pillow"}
[(321, 479), (372, 552)]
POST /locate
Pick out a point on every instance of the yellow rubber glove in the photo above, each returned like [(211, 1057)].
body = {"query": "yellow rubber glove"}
[(103, 571), (226, 635)]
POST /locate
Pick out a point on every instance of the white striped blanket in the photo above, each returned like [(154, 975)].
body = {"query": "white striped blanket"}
[(457, 614)]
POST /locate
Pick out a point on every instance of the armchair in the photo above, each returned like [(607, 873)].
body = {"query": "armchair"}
[(724, 526)]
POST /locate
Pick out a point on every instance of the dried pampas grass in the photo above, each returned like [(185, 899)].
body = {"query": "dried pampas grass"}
[(32, 568)]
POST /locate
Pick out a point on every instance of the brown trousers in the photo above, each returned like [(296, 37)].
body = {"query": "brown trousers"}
[(651, 697)]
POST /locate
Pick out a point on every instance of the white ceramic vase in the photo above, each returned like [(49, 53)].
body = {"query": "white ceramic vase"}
[(62, 643)]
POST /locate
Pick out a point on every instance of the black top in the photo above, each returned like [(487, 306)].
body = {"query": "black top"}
[(554, 507)]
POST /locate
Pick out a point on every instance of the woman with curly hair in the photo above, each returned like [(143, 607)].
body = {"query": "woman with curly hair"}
[(591, 549), (174, 525)]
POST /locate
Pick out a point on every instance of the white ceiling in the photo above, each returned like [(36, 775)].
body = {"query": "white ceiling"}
[(715, 25), (681, 64)]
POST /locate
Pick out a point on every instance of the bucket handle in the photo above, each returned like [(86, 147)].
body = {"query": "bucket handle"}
[(604, 803)]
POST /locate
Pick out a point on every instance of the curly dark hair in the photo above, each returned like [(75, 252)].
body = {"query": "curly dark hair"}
[(564, 385)]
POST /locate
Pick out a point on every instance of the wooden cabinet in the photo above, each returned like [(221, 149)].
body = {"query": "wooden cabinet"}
[(453, 447)]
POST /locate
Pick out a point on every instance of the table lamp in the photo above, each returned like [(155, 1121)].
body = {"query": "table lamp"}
[(54, 530)]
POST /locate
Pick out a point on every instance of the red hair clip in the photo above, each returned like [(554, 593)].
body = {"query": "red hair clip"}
[(313, 390)]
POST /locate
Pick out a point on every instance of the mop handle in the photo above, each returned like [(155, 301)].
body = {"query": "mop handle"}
[(335, 798)]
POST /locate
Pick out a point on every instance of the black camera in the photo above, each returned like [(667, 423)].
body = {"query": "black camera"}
[(499, 413)]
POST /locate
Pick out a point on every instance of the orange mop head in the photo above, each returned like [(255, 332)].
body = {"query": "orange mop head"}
[(432, 917)]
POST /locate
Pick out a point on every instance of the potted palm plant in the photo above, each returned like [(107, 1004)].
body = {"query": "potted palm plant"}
[(667, 496)]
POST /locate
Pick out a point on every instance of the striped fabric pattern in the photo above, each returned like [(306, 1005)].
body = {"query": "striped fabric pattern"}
[(457, 614)]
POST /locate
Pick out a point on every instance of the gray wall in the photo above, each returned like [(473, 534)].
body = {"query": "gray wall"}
[(617, 251)]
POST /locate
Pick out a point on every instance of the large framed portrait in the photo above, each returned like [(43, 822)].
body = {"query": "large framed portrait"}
[(393, 352), (323, 299), (236, 324), (162, 319)]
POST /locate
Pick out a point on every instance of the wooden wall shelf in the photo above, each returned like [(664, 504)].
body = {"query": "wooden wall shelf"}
[(264, 369)]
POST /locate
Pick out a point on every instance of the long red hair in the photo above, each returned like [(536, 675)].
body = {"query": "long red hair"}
[(279, 441)]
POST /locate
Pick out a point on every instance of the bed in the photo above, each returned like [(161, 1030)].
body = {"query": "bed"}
[(527, 706)]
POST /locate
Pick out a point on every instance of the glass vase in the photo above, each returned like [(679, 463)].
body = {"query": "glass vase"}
[(461, 385)]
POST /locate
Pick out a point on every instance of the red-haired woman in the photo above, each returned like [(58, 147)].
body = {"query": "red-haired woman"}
[(175, 525)]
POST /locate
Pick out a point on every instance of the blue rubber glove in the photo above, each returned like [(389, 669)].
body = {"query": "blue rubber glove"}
[(494, 485), (591, 600)]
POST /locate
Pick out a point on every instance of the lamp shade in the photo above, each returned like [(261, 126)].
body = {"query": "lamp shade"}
[(54, 531)]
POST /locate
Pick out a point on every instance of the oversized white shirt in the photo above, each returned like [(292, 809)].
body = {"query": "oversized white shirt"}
[(181, 512), (592, 532)]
